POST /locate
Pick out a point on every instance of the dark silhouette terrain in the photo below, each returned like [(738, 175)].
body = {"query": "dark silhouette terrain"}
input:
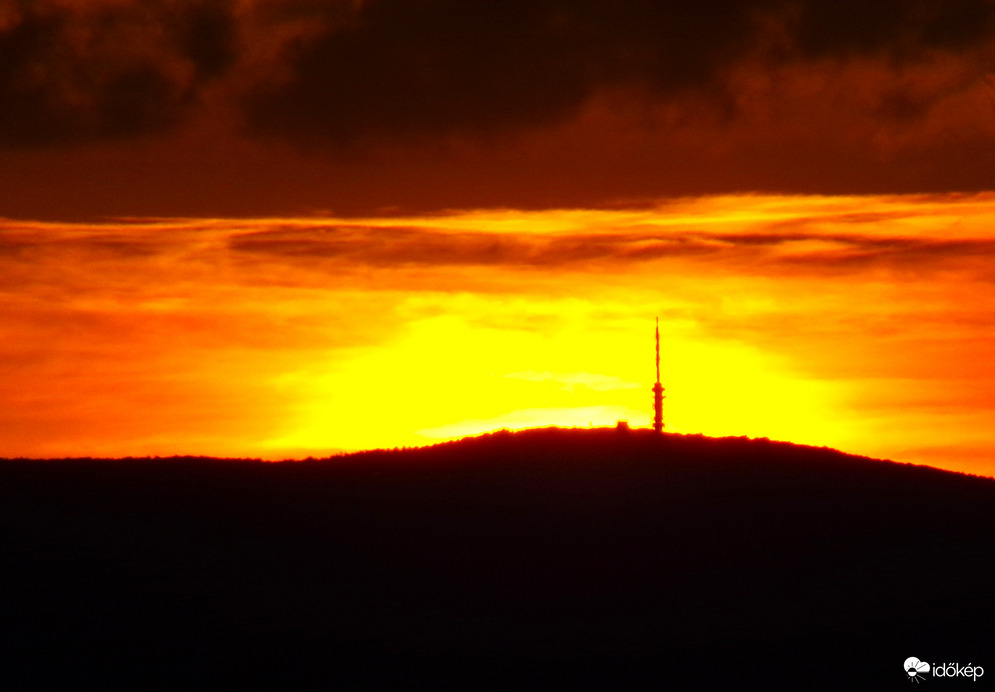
[(550, 559)]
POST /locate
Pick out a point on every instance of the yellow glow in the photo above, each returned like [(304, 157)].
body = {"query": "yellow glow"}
[(447, 377)]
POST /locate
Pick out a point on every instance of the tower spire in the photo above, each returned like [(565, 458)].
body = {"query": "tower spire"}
[(658, 388), (658, 350)]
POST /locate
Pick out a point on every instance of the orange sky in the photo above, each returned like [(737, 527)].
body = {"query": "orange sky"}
[(246, 227), (863, 323)]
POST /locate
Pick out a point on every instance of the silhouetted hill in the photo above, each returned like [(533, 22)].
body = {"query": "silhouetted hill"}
[(551, 559)]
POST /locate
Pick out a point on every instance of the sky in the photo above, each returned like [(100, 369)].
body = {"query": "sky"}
[(291, 227)]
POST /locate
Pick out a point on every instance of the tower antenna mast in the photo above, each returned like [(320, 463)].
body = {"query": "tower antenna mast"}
[(658, 396), (658, 350)]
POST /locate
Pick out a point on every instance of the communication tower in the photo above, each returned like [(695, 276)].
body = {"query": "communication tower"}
[(658, 396)]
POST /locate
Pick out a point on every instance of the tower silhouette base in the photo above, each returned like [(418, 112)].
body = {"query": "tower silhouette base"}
[(658, 407)]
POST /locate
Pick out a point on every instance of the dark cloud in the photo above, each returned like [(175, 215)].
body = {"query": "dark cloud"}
[(55, 261), (898, 253), (396, 246), (425, 105), (207, 35), (414, 67), (759, 251), (350, 70), (901, 28), (384, 246), (15, 244), (96, 71), (421, 67)]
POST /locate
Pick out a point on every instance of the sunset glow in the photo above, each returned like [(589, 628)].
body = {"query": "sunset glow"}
[(862, 323), (346, 342)]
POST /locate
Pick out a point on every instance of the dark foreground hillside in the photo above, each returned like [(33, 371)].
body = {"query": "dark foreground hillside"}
[(536, 560)]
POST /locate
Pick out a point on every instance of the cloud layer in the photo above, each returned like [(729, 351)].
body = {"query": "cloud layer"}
[(341, 70), (74, 72), (264, 107), (418, 67)]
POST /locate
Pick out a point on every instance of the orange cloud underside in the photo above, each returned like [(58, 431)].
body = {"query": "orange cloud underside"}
[(863, 323)]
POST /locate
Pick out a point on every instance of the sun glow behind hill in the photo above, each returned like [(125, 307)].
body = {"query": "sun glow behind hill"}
[(863, 323), (447, 367)]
